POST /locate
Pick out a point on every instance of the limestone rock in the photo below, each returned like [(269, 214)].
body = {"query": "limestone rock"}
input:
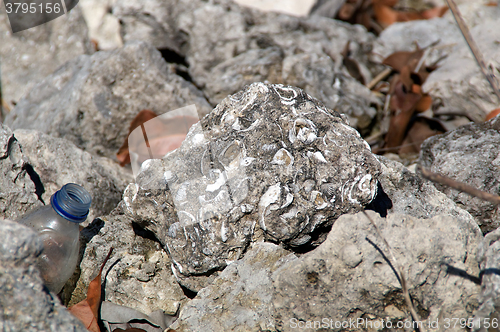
[(26, 303), (92, 99), (138, 274), (468, 154), (269, 162), (31, 55), (18, 192), (57, 161), (241, 298), (407, 193), (348, 276)]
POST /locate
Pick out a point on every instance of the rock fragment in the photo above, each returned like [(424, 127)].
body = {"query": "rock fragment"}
[(138, 274), (269, 162), (31, 55), (92, 99), (468, 154)]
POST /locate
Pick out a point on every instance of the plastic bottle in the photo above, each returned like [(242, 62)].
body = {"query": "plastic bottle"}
[(57, 225)]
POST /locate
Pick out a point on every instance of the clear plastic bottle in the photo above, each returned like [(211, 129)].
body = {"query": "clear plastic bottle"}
[(57, 225)]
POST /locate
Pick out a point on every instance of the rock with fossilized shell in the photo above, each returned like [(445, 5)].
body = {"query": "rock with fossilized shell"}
[(267, 160)]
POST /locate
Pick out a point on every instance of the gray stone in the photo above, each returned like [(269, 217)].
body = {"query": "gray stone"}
[(489, 262), (138, 274), (57, 161), (18, 192), (410, 194), (468, 154), (241, 298), (269, 162), (92, 99), (228, 46), (31, 55), (25, 303), (348, 277)]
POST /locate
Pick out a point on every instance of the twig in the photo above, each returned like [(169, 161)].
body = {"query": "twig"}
[(379, 78), (473, 47), (402, 277), (434, 177)]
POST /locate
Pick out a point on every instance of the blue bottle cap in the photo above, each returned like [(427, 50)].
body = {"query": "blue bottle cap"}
[(72, 202)]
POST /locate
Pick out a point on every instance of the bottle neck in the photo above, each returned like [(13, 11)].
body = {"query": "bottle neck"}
[(72, 202)]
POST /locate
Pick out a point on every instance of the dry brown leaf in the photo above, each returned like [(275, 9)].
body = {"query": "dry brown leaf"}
[(123, 155), (87, 311), (492, 114), (420, 130)]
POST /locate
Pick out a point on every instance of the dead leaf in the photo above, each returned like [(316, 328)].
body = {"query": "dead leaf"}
[(351, 64), (421, 129), (123, 155), (492, 114), (87, 311)]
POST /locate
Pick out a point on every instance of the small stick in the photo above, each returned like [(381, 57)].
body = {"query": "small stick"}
[(379, 78), (402, 277), (473, 47), (434, 177)]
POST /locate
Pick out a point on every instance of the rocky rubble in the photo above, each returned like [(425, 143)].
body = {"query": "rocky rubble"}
[(227, 47), (31, 55), (252, 224), (26, 304), (91, 100)]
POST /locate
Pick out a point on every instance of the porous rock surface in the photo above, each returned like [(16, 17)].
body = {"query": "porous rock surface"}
[(346, 277), (31, 55), (36, 165), (489, 261), (91, 100), (18, 192), (138, 273), (228, 46), (269, 162), (468, 154), (25, 303)]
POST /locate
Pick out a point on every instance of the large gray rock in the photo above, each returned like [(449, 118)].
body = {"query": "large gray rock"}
[(348, 276), (138, 274), (228, 46), (57, 161), (269, 162), (409, 194), (18, 187), (470, 155), (31, 55), (241, 298), (92, 99), (26, 303)]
